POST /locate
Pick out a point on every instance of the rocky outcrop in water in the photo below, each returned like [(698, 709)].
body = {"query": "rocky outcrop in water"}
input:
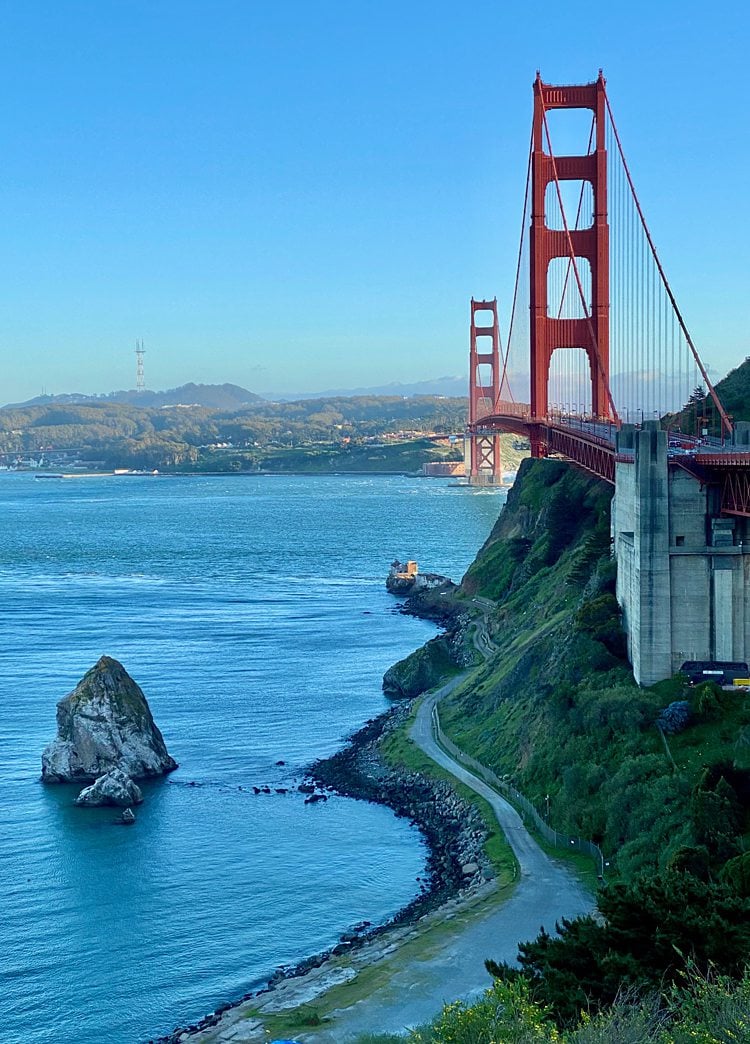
[(105, 723), (114, 788), (405, 579)]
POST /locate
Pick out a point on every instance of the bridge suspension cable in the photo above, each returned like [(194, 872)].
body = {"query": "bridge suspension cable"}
[(506, 389)]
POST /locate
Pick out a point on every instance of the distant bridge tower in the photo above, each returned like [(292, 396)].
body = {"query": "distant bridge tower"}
[(485, 464), (584, 251), (140, 382)]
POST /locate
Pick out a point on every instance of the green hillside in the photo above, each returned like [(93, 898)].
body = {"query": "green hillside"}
[(734, 394), (659, 777), (260, 436), (556, 708)]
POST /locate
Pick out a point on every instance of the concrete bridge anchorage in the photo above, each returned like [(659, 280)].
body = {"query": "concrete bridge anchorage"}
[(683, 567)]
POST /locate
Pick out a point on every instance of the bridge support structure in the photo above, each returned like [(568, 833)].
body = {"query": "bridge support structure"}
[(589, 330), (484, 463), (683, 569)]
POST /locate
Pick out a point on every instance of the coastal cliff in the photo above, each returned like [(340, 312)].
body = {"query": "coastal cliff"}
[(553, 705)]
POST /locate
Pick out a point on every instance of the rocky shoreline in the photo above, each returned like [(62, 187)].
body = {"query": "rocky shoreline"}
[(453, 831)]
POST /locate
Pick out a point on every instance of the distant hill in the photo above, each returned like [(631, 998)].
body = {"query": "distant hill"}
[(233, 397), (734, 395), (212, 396), (172, 430), (451, 387), (734, 391)]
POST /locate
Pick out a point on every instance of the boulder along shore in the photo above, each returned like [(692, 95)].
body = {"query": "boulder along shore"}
[(453, 830)]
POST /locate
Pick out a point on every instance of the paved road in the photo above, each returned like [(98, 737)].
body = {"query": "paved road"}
[(546, 892)]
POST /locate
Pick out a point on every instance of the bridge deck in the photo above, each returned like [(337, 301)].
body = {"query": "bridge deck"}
[(590, 442)]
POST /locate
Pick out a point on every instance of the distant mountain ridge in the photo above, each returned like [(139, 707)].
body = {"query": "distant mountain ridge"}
[(451, 387), (212, 396), (234, 397)]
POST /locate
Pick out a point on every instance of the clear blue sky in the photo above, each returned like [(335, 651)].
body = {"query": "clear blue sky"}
[(302, 194)]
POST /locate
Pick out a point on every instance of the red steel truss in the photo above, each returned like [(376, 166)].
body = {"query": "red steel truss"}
[(550, 438), (730, 471), (587, 451)]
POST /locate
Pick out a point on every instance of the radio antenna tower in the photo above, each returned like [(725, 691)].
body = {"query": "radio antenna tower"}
[(140, 382)]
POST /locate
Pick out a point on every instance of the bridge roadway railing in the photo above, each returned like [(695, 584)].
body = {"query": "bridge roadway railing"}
[(529, 813)]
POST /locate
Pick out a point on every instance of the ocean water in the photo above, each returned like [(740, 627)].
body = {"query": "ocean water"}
[(252, 612)]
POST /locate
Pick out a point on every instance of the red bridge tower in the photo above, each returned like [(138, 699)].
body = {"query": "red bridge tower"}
[(484, 390), (589, 331)]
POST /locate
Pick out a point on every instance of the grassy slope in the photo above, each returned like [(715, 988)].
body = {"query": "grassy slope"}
[(557, 709)]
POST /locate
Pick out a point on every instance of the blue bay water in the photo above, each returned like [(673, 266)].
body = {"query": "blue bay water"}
[(252, 612)]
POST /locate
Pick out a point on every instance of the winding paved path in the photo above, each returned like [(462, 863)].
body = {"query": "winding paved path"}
[(451, 964), (546, 891)]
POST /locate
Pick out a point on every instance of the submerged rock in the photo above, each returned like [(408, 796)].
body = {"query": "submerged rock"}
[(105, 723), (113, 788)]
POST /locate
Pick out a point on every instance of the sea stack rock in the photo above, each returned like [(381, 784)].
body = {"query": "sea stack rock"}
[(113, 788), (104, 724)]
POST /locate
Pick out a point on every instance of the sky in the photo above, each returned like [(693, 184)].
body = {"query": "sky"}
[(305, 194)]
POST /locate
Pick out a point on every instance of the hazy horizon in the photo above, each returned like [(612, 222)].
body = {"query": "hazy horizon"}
[(307, 197)]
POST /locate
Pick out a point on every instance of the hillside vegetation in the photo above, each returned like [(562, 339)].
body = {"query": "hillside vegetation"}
[(734, 394), (658, 777), (259, 436), (700, 1011), (556, 707)]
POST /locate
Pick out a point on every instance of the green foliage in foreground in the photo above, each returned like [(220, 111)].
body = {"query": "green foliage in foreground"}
[(649, 934), (698, 1010)]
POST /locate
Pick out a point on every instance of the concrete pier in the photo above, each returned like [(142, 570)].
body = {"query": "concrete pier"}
[(683, 571)]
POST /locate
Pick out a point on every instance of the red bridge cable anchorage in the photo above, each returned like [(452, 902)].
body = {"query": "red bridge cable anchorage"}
[(576, 273), (503, 378), (726, 423)]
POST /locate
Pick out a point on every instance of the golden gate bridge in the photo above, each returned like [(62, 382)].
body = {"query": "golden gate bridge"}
[(596, 341)]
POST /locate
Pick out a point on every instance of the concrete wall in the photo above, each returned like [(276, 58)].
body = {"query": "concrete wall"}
[(683, 571)]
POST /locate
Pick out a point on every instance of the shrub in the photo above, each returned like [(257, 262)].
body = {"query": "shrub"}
[(675, 718), (707, 701), (736, 874)]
